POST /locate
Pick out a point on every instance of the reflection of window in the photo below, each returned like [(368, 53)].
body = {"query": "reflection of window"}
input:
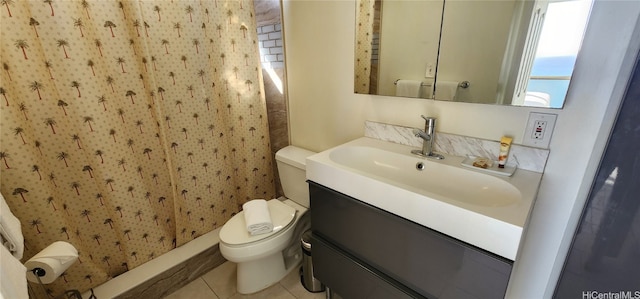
[(558, 46)]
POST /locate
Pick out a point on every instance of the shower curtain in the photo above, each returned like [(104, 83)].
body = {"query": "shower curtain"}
[(129, 127), (364, 36)]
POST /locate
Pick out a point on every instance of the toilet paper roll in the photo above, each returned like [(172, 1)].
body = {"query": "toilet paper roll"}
[(51, 262)]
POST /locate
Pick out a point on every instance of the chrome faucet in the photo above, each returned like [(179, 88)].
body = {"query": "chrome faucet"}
[(428, 136)]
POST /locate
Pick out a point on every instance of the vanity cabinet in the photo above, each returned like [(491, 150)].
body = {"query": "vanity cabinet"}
[(360, 251)]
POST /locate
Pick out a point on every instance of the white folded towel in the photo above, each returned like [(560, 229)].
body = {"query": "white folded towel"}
[(13, 276), (408, 88), (446, 90), (257, 217), (10, 230)]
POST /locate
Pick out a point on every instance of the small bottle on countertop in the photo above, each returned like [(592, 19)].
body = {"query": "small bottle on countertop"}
[(505, 144)]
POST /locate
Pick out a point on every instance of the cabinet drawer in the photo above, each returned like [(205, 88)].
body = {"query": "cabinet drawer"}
[(431, 263), (349, 278)]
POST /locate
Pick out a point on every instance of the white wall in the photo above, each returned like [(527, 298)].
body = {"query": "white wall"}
[(611, 44), (469, 51), (325, 112), (409, 36)]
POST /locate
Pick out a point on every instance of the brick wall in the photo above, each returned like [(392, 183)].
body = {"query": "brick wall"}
[(271, 46)]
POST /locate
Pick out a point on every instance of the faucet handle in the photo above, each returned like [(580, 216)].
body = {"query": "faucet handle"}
[(429, 121), (421, 134)]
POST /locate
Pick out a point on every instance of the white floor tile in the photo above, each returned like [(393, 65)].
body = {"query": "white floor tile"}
[(292, 283), (196, 289), (222, 280), (275, 291)]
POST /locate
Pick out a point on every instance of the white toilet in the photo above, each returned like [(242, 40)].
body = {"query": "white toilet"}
[(265, 259)]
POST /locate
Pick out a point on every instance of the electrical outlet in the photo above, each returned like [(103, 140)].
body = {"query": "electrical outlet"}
[(539, 129)]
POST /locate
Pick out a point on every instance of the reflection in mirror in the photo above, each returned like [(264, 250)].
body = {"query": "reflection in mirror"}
[(556, 53), (406, 51), (510, 52), (474, 42)]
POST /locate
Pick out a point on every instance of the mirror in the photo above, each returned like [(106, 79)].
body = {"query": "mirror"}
[(510, 52)]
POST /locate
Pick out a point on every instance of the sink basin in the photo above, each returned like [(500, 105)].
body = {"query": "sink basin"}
[(482, 209), (435, 180)]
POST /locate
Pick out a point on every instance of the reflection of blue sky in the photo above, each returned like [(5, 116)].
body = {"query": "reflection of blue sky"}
[(552, 66), (558, 47)]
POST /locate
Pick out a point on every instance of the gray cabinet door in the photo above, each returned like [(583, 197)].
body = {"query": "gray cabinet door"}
[(352, 279), (431, 264)]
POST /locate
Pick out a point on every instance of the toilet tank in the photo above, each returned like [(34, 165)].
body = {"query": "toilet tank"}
[(292, 172)]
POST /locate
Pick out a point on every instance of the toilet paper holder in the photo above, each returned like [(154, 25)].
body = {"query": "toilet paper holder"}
[(67, 294), (38, 272)]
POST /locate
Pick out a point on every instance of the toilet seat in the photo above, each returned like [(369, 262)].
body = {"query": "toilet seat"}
[(234, 232)]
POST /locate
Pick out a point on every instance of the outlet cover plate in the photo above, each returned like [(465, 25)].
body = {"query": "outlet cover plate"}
[(541, 139)]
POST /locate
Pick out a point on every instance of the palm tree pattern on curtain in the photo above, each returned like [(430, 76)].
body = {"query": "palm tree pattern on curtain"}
[(129, 127), (364, 38)]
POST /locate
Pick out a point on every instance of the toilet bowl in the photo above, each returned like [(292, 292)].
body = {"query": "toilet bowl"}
[(263, 260)]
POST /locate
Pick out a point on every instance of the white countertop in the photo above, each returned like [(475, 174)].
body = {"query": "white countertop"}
[(496, 228)]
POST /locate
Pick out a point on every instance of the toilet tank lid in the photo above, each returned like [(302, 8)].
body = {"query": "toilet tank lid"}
[(294, 155)]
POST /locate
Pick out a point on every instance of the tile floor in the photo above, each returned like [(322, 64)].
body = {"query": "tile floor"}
[(221, 283)]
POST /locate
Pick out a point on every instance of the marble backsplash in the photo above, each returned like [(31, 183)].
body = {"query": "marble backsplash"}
[(524, 157)]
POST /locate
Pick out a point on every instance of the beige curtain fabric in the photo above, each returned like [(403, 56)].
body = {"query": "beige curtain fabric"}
[(364, 37), (129, 127)]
